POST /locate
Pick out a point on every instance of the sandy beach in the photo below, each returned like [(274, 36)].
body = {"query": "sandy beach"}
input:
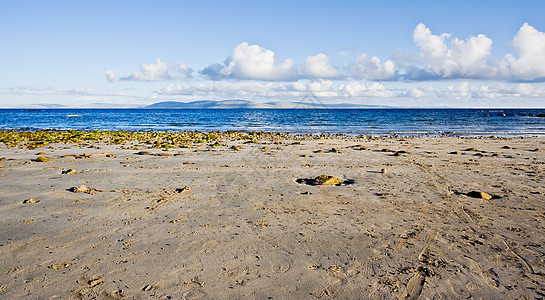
[(413, 217)]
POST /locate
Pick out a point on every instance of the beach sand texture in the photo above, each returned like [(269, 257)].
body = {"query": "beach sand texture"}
[(224, 222)]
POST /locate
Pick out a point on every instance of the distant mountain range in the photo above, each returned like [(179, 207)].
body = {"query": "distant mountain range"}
[(244, 104)]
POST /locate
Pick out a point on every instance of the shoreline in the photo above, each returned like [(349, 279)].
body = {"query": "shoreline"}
[(199, 215)]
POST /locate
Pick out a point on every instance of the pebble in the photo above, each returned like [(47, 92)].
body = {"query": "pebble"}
[(480, 195)]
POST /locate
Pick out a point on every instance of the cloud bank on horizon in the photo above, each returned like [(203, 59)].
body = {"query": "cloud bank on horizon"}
[(440, 57), (253, 72)]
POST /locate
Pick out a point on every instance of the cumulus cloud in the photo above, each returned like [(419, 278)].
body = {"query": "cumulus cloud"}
[(184, 72), (530, 45), (319, 66), (158, 71), (111, 76), (371, 68), (375, 89), (443, 57), (253, 62), (150, 72)]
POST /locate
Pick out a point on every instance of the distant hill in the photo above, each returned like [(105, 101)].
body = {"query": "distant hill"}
[(244, 104)]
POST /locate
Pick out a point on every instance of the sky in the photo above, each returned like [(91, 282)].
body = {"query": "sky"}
[(396, 53)]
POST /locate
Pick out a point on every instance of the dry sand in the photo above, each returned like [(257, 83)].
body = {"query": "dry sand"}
[(245, 229)]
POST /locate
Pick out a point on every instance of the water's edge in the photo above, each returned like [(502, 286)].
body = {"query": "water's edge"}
[(404, 122)]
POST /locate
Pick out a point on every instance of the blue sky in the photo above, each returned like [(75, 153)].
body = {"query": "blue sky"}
[(400, 53)]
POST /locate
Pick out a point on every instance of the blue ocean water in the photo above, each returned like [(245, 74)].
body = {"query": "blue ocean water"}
[(502, 122)]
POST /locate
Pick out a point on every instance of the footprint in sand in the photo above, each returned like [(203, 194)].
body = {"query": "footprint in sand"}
[(414, 287), (279, 264), (194, 293)]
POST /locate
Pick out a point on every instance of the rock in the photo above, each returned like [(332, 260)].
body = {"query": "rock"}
[(43, 159), (398, 153), (40, 153), (94, 282), (83, 189), (183, 189), (319, 151), (471, 149), (144, 153), (236, 147), (479, 195), (164, 154), (266, 148), (506, 147), (31, 200), (326, 180), (501, 115), (147, 287), (2, 159), (387, 150), (333, 150), (296, 143), (383, 171), (69, 171), (455, 153)]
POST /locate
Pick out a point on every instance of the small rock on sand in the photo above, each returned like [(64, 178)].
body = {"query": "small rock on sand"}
[(326, 180), (183, 189), (480, 195), (31, 200), (144, 153), (43, 159), (83, 189), (69, 171)]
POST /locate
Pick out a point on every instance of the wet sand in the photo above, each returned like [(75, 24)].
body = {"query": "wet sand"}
[(224, 222)]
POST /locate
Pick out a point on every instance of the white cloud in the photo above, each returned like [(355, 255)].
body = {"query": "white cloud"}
[(375, 89), (420, 92), (253, 62), (151, 72), (154, 72), (184, 72), (443, 57), (236, 89), (319, 66), (530, 45), (371, 68), (279, 90), (111, 76), (466, 91)]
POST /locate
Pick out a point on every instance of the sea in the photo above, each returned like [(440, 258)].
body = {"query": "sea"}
[(377, 122)]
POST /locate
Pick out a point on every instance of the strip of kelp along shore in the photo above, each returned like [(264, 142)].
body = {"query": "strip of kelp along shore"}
[(156, 139)]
